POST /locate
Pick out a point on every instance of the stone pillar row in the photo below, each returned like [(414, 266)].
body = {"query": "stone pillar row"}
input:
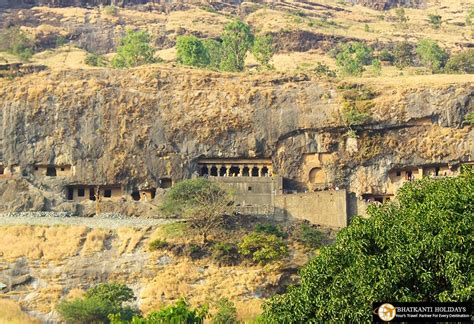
[(241, 168)]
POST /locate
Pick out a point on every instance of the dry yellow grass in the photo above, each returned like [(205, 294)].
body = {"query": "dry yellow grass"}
[(95, 241), (128, 239), (36, 242), (11, 313)]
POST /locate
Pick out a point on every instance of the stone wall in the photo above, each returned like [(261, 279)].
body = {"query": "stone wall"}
[(328, 208)]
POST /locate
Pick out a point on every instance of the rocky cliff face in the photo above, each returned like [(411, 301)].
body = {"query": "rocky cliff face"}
[(388, 4), (138, 126)]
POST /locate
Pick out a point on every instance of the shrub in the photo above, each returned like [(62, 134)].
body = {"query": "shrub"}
[(263, 248), (237, 39), (157, 245), (111, 10), (60, 41), (322, 69), (462, 62), (181, 312), (431, 55), (134, 50), (214, 50), (435, 20), (16, 42), (310, 236), (270, 229), (469, 118), (86, 310), (418, 249), (401, 17), (93, 59), (403, 54), (470, 17), (226, 254), (376, 67), (353, 57), (263, 50), (226, 313), (98, 303), (386, 56), (352, 114), (191, 51)]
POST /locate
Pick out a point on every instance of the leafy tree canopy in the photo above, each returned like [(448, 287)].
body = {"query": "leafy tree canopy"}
[(417, 249), (263, 50), (431, 55), (237, 39), (353, 57), (191, 51), (134, 50)]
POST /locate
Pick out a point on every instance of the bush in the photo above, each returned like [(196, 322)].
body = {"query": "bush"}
[(352, 114), (237, 39), (157, 245), (431, 55), (469, 118), (263, 50), (470, 17), (435, 20), (60, 41), (214, 50), (376, 67), (226, 313), (98, 303), (111, 10), (310, 236), (134, 50), (324, 70), (353, 57), (418, 249), (15, 41), (178, 313), (86, 310), (263, 248), (403, 55), (93, 59), (225, 254), (462, 62), (386, 56), (270, 229), (191, 51)]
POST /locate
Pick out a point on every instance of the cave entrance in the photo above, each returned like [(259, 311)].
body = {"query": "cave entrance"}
[(51, 172), (234, 171), (245, 172), (136, 195), (166, 183), (70, 193), (204, 171)]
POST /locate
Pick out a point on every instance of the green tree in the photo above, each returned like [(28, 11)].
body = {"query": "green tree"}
[(435, 20), (134, 50), (203, 203), (226, 313), (418, 249), (191, 51), (16, 42), (214, 49), (237, 39), (462, 62), (263, 50), (179, 313), (431, 55), (469, 118), (98, 303), (403, 54), (353, 57)]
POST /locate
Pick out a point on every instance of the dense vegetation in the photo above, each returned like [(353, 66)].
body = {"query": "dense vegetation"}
[(417, 249)]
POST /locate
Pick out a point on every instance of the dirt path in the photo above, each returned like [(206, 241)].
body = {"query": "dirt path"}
[(108, 221)]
